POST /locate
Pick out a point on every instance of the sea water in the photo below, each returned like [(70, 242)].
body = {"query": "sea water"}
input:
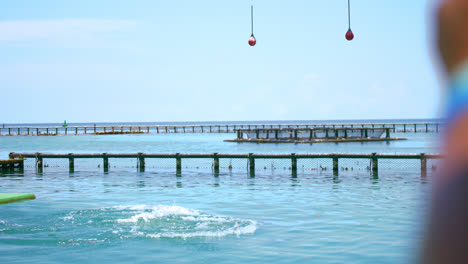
[(159, 216)]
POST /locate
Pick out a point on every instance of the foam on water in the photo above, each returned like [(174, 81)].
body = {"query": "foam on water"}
[(180, 222), (153, 212), (150, 221)]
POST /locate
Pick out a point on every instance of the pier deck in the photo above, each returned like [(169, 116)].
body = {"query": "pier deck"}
[(249, 160)]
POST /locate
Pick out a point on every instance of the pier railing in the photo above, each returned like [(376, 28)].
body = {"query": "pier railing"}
[(227, 128), (251, 162)]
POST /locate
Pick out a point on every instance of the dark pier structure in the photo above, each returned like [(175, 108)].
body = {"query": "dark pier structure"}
[(12, 164), (294, 162), (313, 135)]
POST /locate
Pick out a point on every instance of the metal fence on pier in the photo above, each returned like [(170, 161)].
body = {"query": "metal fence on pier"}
[(216, 162)]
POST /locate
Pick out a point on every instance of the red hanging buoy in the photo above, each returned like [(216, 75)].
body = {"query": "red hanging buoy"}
[(252, 41), (349, 35)]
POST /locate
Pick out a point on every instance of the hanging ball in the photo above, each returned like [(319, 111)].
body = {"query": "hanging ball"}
[(252, 41), (349, 35)]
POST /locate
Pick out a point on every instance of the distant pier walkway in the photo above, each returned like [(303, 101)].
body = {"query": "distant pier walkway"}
[(228, 128)]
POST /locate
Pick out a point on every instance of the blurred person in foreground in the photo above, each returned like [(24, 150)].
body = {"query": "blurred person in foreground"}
[(446, 238)]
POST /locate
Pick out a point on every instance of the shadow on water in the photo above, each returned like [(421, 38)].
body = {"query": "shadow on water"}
[(11, 173)]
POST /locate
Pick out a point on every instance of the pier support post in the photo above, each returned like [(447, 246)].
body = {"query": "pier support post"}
[(216, 163), (335, 165), (39, 162), (437, 127), (404, 128), (9, 131), (293, 163), (210, 130), (105, 162), (423, 165), (165, 129), (251, 164), (375, 164), (415, 128), (71, 163), (76, 131), (141, 162), (85, 130), (21, 165), (37, 131), (178, 163), (387, 133), (19, 132), (28, 131), (427, 130), (147, 129), (201, 128), (65, 131), (157, 130), (219, 129)]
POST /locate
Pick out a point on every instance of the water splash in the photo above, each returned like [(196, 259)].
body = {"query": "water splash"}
[(152, 221)]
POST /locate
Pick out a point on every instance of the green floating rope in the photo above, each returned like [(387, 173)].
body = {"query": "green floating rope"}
[(15, 197)]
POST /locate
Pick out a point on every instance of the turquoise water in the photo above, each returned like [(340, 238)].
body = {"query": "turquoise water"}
[(159, 217)]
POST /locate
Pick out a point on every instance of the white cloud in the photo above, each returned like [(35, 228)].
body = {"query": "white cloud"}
[(68, 32)]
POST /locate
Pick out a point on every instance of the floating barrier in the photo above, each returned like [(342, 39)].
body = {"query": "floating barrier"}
[(15, 197), (201, 128), (250, 159)]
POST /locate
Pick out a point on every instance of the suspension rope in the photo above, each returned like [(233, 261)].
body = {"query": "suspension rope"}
[(349, 14), (252, 18)]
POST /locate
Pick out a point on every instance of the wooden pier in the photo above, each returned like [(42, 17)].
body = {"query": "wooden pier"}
[(204, 128), (215, 158), (12, 165), (313, 135)]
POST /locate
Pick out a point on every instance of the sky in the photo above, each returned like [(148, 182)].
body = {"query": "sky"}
[(186, 60)]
